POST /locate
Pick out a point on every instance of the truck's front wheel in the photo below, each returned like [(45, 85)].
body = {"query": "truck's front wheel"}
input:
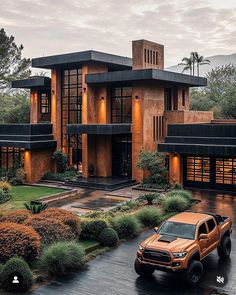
[(194, 273), (225, 247), (141, 269)]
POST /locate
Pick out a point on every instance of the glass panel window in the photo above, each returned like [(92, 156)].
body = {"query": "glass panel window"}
[(45, 102), (226, 171), (198, 168), (121, 105), (71, 100), (11, 157)]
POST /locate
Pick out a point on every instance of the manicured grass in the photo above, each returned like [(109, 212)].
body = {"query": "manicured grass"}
[(23, 194), (87, 244)]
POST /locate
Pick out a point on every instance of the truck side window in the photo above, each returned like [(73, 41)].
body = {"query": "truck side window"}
[(211, 224), (202, 229)]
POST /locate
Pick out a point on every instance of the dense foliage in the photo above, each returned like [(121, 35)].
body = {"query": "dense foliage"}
[(36, 208), (126, 226), (182, 193), (92, 228), (62, 257), (16, 265), (18, 240), (220, 94), (18, 216), (149, 216), (175, 203), (154, 163), (62, 160), (108, 237)]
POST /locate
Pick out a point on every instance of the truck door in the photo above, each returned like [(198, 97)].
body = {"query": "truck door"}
[(203, 243), (213, 234)]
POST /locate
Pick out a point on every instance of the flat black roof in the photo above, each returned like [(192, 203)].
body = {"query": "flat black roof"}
[(115, 62), (145, 74), (32, 82)]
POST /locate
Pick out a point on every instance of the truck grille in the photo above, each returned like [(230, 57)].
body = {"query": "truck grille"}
[(161, 256)]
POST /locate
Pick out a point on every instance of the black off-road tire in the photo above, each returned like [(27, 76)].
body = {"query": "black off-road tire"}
[(143, 270), (194, 273), (225, 247)]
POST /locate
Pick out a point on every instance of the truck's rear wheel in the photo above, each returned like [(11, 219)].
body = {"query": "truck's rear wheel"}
[(225, 247), (141, 269), (194, 273)]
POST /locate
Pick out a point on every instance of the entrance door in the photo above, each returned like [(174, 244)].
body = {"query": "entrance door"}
[(122, 156)]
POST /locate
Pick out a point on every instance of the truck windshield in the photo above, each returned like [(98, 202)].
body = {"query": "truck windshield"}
[(177, 229)]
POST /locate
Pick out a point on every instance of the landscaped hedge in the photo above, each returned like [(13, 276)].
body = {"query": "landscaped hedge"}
[(18, 240), (175, 204), (66, 217), (126, 226), (149, 216), (91, 228), (18, 266), (108, 237), (51, 230), (18, 216), (182, 193), (62, 257)]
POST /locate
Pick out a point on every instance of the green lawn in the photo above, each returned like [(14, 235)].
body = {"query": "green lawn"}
[(86, 244), (23, 194)]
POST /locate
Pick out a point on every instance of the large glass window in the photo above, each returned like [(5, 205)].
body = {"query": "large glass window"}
[(71, 100), (226, 171), (10, 157), (168, 99), (121, 105), (45, 102), (198, 168)]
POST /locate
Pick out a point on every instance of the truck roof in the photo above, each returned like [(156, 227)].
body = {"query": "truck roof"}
[(189, 217)]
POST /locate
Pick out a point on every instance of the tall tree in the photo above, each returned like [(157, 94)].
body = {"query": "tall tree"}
[(188, 64), (12, 65), (199, 60)]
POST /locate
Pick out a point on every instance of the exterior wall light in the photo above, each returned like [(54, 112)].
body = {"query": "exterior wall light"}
[(136, 96), (102, 98), (53, 92), (84, 89)]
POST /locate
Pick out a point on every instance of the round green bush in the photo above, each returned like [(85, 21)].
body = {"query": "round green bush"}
[(16, 266), (108, 237), (183, 193), (149, 216), (126, 226), (91, 228), (175, 204), (61, 257)]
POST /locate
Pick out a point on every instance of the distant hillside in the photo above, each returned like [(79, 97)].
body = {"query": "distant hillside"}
[(216, 61)]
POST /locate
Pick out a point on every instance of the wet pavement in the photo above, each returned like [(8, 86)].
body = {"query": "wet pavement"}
[(113, 273)]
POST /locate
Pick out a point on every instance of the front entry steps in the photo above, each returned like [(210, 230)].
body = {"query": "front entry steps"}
[(101, 183)]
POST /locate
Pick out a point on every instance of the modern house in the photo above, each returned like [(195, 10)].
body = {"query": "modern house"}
[(102, 109)]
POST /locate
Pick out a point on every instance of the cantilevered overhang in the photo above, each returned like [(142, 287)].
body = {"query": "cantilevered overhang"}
[(114, 62), (28, 136), (99, 129), (32, 82), (200, 139), (145, 74)]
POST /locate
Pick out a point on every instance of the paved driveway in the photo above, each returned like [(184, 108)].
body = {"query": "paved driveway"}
[(113, 274)]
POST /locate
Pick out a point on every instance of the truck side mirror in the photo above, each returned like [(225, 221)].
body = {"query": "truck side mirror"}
[(155, 229), (203, 237)]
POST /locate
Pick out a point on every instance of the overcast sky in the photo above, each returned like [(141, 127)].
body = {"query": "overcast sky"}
[(47, 27)]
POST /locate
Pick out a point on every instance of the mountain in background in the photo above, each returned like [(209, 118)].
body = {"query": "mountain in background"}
[(216, 61)]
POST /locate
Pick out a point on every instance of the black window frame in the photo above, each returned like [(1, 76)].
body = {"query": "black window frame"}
[(45, 102), (121, 118)]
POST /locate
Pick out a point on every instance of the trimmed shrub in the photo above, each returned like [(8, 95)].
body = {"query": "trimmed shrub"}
[(91, 228), (18, 216), (50, 230), (18, 240), (175, 204), (183, 193), (4, 196), (149, 216), (66, 217), (108, 237), (126, 226), (59, 176), (16, 266), (62, 257)]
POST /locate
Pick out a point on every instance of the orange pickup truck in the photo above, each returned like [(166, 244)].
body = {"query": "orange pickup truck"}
[(182, 242)]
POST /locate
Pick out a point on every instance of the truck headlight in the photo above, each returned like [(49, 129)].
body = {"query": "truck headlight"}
[(179, 254), (140, 247)]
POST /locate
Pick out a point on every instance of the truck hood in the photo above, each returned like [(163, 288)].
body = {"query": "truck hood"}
[(160, 242)]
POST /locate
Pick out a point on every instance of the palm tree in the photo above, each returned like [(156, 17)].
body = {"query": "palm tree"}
[(200, 60), (188, 64)]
